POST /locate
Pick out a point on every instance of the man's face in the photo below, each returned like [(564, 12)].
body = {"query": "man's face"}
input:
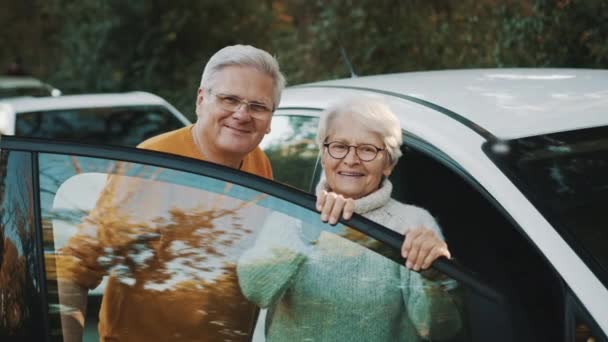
[(234, 132)]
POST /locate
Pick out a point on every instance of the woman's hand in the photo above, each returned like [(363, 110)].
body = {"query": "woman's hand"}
[(421, 247), (332, 206)]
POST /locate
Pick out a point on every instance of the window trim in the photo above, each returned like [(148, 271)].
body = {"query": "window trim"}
[(295, 196), (574, 307), (39, 243)]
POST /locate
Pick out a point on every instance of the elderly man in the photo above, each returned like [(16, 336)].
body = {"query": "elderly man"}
[(239, 90)]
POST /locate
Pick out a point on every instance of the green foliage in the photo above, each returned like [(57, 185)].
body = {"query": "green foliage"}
[(161, 46)]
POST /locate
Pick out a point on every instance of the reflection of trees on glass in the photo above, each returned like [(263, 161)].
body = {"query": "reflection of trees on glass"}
[(18, 262), (166, 238), (293, 153)]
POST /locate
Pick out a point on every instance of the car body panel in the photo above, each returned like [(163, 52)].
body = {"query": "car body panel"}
[(549, 100), (495, 104)]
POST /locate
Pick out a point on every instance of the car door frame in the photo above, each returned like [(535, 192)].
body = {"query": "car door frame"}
[(295, 196)]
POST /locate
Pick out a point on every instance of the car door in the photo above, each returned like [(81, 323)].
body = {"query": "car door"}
[(485, 238), (165, 244)]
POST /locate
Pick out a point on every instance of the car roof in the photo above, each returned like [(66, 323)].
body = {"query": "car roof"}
[(9, 82), (508, 103), (33, 104)]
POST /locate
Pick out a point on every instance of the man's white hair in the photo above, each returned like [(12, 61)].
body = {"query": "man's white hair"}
[(372, 113), (244, 55)]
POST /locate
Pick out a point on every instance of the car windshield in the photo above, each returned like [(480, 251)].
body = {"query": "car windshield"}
[(36, 91), (127, 126), (565, 175)]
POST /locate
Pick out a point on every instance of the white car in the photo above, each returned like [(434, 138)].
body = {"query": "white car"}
[(113, 118), (513, 163), (17, 86)]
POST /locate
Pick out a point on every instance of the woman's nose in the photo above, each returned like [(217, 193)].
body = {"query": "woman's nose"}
[(351, 156)]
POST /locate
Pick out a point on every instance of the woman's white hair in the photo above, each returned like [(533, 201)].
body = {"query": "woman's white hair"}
[(372, 113), (245, 55)]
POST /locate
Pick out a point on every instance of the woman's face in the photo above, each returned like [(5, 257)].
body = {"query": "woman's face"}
[(350, 176)]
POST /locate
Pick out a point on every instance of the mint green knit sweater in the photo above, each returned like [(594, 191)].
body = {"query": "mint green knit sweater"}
[(332, 289)]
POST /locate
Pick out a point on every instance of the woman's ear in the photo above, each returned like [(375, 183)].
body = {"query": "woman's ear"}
[(388, 169)]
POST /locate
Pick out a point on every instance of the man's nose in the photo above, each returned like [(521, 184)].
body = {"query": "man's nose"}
[(242, 111)]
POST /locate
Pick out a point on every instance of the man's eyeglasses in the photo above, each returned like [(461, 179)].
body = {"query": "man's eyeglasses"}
[(365, 152), (233, 103)]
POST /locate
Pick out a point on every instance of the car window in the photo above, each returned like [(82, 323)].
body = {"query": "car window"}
[(36, 91), (482, 237), (21, 299), (126, 126), (292, 150), (581, 327), (565, 175), (192, 250)]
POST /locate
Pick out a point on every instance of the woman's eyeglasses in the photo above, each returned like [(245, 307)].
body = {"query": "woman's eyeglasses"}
[(365, 152)]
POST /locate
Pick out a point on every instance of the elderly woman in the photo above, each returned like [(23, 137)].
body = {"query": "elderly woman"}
[(327, 288)]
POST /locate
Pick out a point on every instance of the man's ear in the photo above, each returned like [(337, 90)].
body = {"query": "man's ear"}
[(199, 96), (268, 129)]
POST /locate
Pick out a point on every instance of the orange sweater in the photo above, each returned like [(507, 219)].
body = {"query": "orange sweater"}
[(180, 142), (170, 251)]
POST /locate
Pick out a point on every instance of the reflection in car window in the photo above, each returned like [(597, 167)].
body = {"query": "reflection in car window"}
[(170, 242), (126, 126), (319, 284), (292, 150), (20, 302), (566, 176)]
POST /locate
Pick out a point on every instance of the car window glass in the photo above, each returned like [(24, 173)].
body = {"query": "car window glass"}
[(25, 91), (482, 238), (202, 256), (126, 126), (292, 150), (20, 289), (565, 175)]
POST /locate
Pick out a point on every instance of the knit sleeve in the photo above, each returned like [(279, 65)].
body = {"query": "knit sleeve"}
[(416, 217), (430, 305), (267, 269)]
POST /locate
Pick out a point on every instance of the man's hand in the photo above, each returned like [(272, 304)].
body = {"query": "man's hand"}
[(421, 247), (332, 206)]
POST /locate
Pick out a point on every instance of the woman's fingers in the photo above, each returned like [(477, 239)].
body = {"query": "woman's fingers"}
[(437, 252), (336, 210), (328, 205), (349, 208), (421, 247), (333, 206), (412, 239), (321, 200)]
